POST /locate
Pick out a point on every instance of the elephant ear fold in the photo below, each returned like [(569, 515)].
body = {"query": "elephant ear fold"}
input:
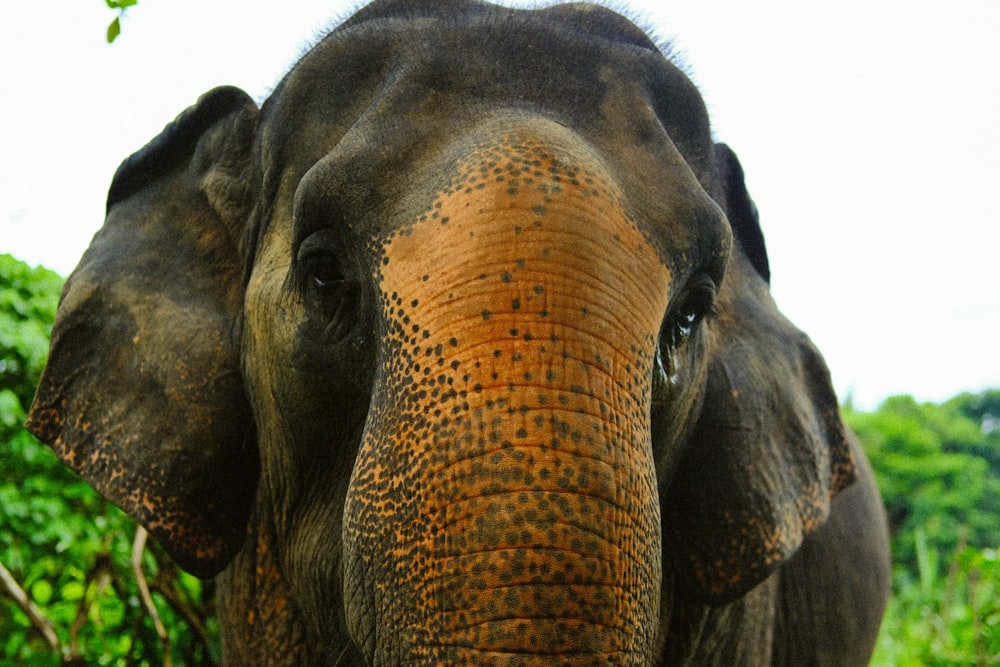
[(769, 449), (142, 394)]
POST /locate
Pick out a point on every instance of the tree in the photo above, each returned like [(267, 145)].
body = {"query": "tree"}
[(938, 470)]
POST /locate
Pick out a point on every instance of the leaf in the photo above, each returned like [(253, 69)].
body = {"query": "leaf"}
[(11, 413), (41, 591), (72, 591), (114, 30)]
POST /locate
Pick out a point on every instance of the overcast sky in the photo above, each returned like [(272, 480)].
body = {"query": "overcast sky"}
[(869, 132)]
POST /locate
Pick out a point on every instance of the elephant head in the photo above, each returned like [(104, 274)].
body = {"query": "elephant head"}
[(469, 323)]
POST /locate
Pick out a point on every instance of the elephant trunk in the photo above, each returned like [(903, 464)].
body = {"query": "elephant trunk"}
[(503, 506)]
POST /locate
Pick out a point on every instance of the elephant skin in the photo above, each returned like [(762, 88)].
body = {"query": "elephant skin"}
[(460, 349)]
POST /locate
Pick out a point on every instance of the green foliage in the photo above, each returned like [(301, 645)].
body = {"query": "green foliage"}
[(28, 299), (939, 620), (115, 28), (67, 548), (938, 468)]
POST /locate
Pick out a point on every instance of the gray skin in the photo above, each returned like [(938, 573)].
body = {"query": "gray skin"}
[(460, 350)]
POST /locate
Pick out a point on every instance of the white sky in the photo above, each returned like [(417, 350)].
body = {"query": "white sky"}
[(869, 132)]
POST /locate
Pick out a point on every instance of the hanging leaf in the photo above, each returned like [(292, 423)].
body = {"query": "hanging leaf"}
[(114, 30)]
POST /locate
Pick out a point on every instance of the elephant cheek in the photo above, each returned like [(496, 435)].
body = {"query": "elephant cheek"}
[(503, 504)]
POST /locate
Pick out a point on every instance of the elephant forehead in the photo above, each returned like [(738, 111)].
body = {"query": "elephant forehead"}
[(371, 99), (529, 223)]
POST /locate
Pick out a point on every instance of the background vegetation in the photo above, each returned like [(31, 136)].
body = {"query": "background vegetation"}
[(78, 584), (938, 467)]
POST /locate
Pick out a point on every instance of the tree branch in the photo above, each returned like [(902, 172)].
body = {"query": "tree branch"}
[(27, 605), (138, 546), (162, 585), (100, 575)]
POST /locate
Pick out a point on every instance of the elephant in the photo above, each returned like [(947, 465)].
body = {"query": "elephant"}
[(459, 348)]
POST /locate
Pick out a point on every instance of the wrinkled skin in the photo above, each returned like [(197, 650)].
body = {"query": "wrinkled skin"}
[(460, 350)]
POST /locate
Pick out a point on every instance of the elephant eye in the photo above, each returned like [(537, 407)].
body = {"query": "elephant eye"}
[(697, 302), (318, 262), (322, 270), (327, 275), (683, 325), (329, 289), (677, 330)]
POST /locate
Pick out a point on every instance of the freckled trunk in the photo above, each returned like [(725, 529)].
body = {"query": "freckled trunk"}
[(503, 507)]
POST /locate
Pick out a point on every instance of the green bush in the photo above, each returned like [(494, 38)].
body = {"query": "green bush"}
[(949, 619), (938, 468)]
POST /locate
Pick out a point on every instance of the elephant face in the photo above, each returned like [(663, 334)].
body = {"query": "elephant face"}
[(474, 318)]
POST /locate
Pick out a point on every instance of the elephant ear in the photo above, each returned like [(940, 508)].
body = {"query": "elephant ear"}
[(142, 394), (769, 449), (740, 209)]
